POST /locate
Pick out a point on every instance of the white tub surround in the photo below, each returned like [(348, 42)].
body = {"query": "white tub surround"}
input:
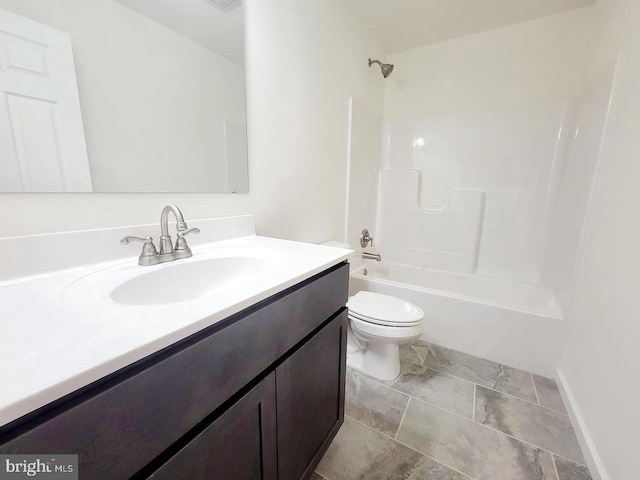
[(508, 322), (55, 340), (446, 238), (473, 187)]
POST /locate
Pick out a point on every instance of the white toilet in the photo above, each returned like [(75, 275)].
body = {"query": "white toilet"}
[(378, 325)]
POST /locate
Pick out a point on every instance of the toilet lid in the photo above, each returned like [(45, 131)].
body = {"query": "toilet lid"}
[(383, 309)]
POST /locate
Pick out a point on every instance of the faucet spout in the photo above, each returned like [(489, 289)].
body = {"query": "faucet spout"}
[(150, 256), (166, 247), (372, 256)]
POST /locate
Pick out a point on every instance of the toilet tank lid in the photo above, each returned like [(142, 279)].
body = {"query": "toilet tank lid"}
[(384, 307)]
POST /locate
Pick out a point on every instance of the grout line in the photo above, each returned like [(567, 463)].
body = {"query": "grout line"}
[(409, 361), (557, 455), (555, 468), (474, 404), (475, 386), (438, 461), (409, 447), (498, 432), (452, 413), (515, 397), (499, 365), (448, 374), (412, 396), (406, 407), (475, 391), (533, 445), (456, 376), (535, 390), (426, 354), (435, 369), (423, 366)]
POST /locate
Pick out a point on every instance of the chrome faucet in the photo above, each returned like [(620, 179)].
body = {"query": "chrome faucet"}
[(372, 256), (166, 247), (168, 252)]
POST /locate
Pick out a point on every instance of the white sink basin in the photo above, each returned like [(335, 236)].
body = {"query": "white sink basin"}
[(207, 273), (189, 281)]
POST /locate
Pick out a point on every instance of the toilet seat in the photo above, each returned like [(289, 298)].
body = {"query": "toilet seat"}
[(384, 333), (376, 321), (380, 309)]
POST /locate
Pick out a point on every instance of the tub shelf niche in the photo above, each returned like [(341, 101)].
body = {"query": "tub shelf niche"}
[(443, 238)]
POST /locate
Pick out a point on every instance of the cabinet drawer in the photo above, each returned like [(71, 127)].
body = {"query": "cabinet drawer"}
[(124, 423)]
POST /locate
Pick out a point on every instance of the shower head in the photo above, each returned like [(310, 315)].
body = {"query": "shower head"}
[(386, 68)]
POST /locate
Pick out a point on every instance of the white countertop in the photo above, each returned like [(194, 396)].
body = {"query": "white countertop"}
[(51, 343)]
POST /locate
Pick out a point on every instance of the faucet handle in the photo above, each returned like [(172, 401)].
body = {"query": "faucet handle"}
[(181, 243), (182, 233), (365, 238), (148, 249)]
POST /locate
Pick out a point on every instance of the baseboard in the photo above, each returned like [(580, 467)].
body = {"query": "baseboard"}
[(592, 459)]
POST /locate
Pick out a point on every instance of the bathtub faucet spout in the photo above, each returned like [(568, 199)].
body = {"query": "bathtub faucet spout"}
[(372, 256)]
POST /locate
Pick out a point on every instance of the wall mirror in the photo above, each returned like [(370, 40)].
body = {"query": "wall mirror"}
[(159, 93)]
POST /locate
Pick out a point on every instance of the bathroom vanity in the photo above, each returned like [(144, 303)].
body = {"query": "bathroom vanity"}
[(255, 393)]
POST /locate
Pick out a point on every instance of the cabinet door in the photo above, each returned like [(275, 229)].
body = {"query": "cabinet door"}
[(238, 445), (310, 400)]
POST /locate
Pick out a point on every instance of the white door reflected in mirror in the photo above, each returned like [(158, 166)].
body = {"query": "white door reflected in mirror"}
[(43, 147), (161, 90)]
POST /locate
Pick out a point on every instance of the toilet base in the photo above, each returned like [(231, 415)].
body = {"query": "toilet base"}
[(378, 360)]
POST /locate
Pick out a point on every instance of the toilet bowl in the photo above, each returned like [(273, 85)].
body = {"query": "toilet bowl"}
[(378, 325)]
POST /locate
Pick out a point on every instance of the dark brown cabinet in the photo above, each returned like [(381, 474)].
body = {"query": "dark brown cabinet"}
[(259, 395), (268, 435), (240, 444), (310, 400)]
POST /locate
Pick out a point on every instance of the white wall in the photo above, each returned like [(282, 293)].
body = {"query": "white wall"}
[(309, 59), (483, 112), (601, 359), (524, 63), (304, 60), (151, 99), (365, 136)]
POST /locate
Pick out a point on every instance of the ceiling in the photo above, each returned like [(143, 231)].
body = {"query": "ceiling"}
[(198, 20), (404, 24), (397, 24)]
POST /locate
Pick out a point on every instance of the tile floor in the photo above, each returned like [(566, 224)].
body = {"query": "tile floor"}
[(452, 416)]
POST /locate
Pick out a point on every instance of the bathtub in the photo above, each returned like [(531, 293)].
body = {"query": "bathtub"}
[(513, 323)]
